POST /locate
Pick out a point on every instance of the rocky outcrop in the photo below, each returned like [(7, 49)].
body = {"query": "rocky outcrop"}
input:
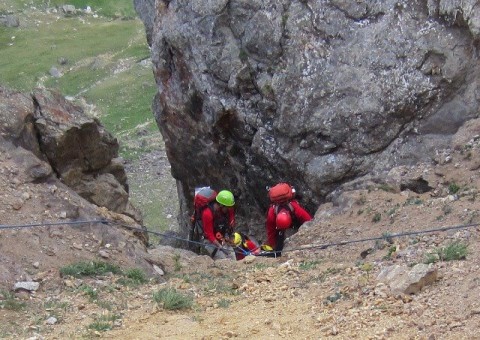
[(76, 147), (315, 93), (59, 166)]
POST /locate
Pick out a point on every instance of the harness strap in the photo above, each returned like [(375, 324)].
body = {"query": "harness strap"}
[(214, 252)]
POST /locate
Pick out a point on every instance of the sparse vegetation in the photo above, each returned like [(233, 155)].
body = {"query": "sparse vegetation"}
[(392, 211), (391, 251), (447, 209), (361, 200), (91, 292), (8, 301), (133, 277), (452, 252), (170, 299), (223, 303), (178, 265), (386, 187), (307, 265), (413, 201), (453, 188), (387, 236), (377, 217), (94, 268), (103, 322)]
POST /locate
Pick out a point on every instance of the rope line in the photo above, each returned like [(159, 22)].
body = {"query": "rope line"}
[(47, 224), (385, 237), (241, 251)]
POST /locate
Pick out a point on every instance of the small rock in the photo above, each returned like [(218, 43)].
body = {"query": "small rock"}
[(22, 295), (249, 259), (36, 265), (158, 270), (51, 320), (104, 254), (77, 246), (26, 285), (17, 204)]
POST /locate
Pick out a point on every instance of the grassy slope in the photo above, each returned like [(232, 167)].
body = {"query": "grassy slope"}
[(103, 68)]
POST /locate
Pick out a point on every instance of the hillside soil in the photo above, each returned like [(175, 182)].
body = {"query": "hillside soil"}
[(324, 286), (321, 292)]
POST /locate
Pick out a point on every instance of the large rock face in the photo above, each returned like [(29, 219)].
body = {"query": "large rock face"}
[(313, 92)]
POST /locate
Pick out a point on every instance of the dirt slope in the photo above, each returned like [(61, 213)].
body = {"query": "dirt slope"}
[(316, 293)]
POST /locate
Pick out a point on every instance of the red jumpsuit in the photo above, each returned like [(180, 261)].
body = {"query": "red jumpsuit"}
[(210, 219), (301, 216)]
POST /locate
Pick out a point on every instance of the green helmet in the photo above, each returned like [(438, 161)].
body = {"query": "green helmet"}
[(225, 198)]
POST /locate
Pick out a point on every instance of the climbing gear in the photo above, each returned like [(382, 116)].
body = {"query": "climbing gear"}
[(266, 247), (283, 220), (225, 198), (281, 193), (237, 239)]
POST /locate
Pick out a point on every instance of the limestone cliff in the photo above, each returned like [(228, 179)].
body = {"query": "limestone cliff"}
[(317, 93)]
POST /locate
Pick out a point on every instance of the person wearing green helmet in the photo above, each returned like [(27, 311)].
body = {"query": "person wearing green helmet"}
[(218, 221)]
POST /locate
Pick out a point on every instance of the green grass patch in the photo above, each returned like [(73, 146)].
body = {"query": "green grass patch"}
[(171, 299), (308, 265), (29, 57), (377, 217), (108, 8), (454, 251), (125, 101), (103, 323), (89, 269), (453, 188), (89, 291), (390, 251), (133, 277)]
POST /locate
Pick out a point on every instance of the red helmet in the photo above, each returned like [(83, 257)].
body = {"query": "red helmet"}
[(284, 220)]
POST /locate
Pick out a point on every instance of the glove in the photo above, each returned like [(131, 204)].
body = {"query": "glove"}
[(266, 247)]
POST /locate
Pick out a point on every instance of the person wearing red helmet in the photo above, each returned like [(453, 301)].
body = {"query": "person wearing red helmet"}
[(282, 216)]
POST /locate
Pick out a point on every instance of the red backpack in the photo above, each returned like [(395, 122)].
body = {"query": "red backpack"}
[(280, 196), (202, 199), (281, 193)]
